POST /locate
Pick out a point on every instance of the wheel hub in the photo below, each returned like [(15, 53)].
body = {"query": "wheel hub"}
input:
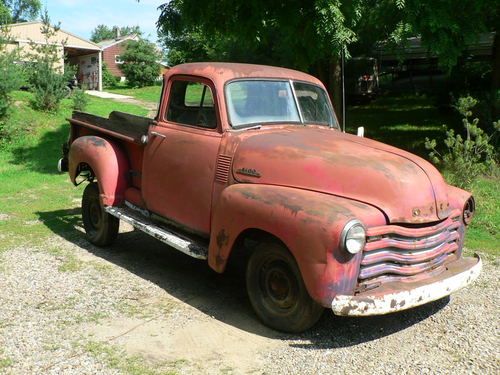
[(278, 284)]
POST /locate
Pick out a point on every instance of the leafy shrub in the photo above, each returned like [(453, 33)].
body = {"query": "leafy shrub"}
[(48, 82), (10, 74), (49, 87), (108, 79), (466, 159), (80, 100), (140, 63)]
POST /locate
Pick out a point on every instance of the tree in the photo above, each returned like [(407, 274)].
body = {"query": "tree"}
[(48, 77), (141, 63), (14, 11), (310, 35), (103, 32), (302, 34), (10, 74)]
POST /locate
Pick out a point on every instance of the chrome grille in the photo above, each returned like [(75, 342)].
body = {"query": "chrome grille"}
[(395, 252)]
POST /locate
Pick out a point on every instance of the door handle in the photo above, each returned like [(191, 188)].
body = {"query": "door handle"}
[(158, 135)]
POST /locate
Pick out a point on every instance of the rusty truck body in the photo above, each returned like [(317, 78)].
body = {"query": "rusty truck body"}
[(248, 159)]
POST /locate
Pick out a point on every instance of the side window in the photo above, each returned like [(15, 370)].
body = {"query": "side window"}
[(191, 103)]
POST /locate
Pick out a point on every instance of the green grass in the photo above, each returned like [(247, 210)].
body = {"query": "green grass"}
[(484, 234), (403, 122), (116, 358), (37, 200), (148, 94)]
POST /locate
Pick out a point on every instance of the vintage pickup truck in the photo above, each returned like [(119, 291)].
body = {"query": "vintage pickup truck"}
[(248, 161)]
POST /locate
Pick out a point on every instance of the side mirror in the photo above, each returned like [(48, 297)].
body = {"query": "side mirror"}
[(361, 131)]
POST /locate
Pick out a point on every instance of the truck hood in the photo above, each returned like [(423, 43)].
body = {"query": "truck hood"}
[(405, 187)]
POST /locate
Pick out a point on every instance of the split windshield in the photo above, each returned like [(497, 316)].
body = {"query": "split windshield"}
[(257, 102)]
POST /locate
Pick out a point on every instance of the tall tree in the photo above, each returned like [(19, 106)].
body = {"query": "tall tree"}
[(103, 32), (13, 11), (141, 63), (310, 35), (303, 34)]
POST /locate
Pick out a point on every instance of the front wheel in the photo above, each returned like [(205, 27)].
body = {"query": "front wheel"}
[(101, 228), (277, 291)]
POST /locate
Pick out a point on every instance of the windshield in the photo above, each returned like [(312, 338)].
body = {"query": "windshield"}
[(267, 101)]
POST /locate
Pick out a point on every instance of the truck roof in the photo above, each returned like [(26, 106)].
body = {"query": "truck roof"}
[(220, 73)]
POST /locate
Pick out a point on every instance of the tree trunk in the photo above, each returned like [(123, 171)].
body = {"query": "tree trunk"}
[(495, 79), (495, 82), (330, 73)]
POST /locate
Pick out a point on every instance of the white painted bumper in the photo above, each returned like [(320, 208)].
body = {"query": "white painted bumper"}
[(366, 304)]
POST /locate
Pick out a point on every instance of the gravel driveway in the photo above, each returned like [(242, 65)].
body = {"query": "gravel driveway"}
[(67, 307)]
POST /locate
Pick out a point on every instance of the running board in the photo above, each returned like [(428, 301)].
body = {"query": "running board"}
[(187, 246)]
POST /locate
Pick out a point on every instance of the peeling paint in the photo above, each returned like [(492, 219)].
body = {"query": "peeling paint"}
[(385, 303)]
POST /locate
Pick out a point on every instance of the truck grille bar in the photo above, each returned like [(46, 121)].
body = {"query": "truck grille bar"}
[(395, 253)]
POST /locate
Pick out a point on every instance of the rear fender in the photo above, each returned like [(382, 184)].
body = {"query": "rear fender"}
[(308, 223), (109, 165)]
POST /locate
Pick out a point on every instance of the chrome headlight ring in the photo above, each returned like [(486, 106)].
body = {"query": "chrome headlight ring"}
[(353, 237)]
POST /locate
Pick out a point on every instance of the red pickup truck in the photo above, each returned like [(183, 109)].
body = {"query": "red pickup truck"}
[(249, 160)]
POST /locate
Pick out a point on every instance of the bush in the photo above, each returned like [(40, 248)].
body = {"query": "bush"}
[(47, 80), (49, 87), (80, 100), (466, 159), (11, 77), (108, 79), (140, 63)]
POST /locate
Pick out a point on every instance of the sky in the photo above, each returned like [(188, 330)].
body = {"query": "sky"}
[(80, 17)]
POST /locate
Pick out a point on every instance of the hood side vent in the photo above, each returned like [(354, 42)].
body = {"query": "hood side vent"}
[(223, 168)]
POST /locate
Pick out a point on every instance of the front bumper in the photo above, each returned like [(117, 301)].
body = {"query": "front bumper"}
[(397, 296)]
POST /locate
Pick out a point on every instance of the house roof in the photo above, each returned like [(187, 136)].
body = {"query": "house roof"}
[(414, 49), (111, 42), (30, 31)]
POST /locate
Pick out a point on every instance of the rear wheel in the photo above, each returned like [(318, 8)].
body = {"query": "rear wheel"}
[(101, 228), (277, 291)]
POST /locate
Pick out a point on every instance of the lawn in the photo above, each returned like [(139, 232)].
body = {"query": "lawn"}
[(31, 190), (148, 94), (34, 197)]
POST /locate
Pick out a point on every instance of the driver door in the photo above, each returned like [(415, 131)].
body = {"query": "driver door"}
[(180, 157)]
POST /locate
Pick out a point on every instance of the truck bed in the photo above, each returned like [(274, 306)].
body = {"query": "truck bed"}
[(118, 123)]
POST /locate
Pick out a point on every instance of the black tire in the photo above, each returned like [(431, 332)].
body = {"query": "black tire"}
[(277, 291), (101, 228)]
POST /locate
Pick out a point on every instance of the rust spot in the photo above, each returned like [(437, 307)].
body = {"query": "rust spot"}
[(96, 141), (219, 260), (416, 212), (222, 239), (292, 207), (345, 310)]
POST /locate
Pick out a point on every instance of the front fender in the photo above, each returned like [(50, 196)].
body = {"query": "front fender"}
[(308, 223), (108, 162)]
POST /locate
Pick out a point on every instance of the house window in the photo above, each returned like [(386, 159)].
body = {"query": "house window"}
[(93, 60), (118, 59)]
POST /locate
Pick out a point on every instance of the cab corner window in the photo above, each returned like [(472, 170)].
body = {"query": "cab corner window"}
[(191, 103)]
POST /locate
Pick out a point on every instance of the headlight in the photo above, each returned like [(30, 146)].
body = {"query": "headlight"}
[(353, 238), (469, 209)]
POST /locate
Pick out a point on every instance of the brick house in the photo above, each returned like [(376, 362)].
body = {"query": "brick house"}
[(111, 52)]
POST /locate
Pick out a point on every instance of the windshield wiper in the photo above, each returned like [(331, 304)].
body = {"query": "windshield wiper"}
[(249, 127)]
